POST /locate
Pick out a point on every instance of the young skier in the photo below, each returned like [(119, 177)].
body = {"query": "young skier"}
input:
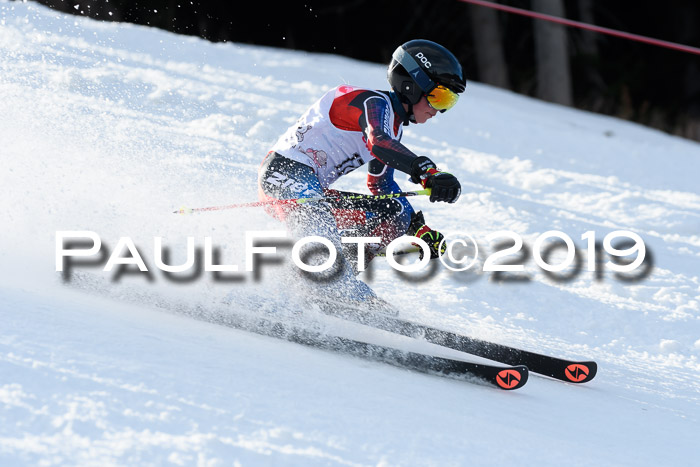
[(349, 127)]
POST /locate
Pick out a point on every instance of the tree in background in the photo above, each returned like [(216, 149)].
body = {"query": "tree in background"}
[(488, 46), (552, 55)]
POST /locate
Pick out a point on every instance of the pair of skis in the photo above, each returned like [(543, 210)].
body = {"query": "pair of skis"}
[(513, 376), (306, 333)]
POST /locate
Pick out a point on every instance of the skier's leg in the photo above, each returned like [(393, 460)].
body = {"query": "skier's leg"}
[(282, 178), (386, 219)]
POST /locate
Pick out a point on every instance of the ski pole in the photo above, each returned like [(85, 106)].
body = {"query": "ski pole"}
[(400, 252), (289, 202)]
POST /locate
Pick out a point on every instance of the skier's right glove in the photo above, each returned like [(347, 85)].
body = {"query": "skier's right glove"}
[(433, 238), (443, 185)]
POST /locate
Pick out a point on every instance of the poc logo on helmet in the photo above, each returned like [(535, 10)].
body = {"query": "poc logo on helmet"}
[(423, 59)]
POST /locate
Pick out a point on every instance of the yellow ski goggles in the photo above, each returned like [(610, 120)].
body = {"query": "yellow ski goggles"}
[(442, 98)]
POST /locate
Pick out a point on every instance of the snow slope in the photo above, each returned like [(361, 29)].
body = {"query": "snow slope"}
[(109, 127)]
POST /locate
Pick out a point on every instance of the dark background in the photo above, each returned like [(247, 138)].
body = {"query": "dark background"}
[(639, 82)]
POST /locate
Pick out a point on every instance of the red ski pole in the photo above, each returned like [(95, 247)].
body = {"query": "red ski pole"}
[(281, 202)]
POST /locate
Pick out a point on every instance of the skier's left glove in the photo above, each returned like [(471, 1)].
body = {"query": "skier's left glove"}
[(433, 238)]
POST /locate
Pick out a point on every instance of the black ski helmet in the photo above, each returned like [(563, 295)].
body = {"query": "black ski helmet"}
[(437, 64)]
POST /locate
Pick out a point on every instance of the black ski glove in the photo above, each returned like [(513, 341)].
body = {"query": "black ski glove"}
[(443, 185), (433, 238)]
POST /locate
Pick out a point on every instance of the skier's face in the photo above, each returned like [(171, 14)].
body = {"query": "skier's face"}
[(422, 111)]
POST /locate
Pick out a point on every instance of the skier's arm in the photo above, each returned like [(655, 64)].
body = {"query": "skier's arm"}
[(380, 178), (380, 181), (374, 122)]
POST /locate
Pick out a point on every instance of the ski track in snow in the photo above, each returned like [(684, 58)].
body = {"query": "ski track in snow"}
[(110, 127)]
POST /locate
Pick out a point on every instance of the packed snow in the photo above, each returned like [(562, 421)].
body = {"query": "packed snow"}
[(109, 128)]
